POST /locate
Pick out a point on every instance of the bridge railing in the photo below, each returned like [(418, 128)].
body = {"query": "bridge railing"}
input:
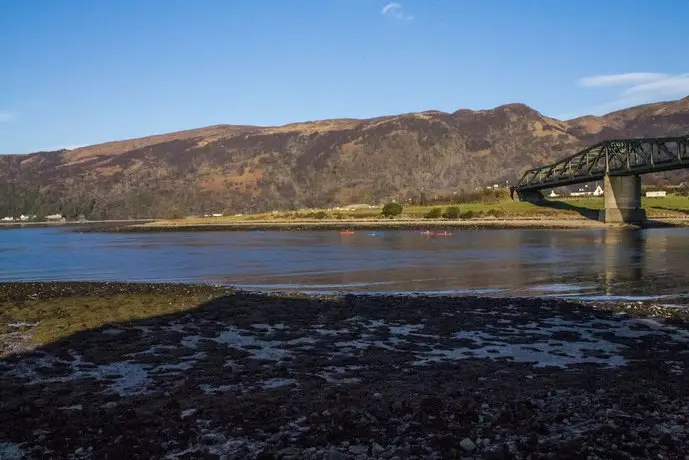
[(612, 157)]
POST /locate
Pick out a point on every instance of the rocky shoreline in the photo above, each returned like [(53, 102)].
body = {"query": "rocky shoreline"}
[(363, 225), (247, 375), (390, 225)]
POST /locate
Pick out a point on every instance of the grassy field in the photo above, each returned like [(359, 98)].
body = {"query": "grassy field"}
[(668, 207), (57, 310)]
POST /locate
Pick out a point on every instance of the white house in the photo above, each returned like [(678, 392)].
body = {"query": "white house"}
[(553, 194), (54, 217), (582, 192), (8, 219)]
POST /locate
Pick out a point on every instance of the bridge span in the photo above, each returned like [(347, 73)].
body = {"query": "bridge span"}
[(619, 163)]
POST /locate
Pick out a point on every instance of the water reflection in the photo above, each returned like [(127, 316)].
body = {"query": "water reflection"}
[(624, 255), (591, 262)]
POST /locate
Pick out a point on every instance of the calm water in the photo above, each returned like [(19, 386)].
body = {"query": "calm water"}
[(582, 263)]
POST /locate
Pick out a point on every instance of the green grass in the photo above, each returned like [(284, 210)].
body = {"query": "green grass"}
[(60, 317), (671, 206), (508, 209)]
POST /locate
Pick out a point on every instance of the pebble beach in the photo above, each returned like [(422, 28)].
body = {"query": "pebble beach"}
[(248, 375)]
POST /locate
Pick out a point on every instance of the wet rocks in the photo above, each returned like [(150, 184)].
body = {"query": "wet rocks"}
[(334, 454), (250, 376), (468, 445), (377, 449), (358, 449)]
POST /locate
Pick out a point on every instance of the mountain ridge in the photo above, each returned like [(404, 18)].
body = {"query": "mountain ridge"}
[(242, 168)]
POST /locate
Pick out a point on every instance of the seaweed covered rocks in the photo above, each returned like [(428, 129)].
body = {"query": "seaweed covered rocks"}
[(203, 372)]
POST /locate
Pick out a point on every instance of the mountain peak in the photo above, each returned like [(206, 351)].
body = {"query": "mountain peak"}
[(313, 164)]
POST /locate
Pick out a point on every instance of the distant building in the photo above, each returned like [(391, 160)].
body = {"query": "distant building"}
[(656, 194), (54, 217), (354, 207), (583, 192), (553, 194), (216, 214), (8, 219)]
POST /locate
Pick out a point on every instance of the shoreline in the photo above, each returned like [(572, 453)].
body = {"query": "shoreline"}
[(152, 225), (416, 224), (147, 370), (9, 225)]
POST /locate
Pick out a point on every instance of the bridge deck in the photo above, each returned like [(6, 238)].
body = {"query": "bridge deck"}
[(623, 157)]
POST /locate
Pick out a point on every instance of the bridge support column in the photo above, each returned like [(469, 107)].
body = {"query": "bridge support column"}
[(622, 200)]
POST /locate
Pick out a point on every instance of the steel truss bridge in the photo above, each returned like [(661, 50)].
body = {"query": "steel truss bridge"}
[(625, 157)]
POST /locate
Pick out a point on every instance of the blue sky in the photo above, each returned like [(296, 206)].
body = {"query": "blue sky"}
[(79, 72)]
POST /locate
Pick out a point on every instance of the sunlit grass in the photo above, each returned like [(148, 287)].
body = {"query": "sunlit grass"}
[(60, 317), (670, 206)]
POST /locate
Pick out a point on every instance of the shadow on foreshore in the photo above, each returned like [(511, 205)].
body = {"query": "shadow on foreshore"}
[(271, 376), (594, 214), (588, 213), (677, 210), (655, 223)]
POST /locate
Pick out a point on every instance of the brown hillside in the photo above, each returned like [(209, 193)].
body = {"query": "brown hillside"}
[(321, 163)]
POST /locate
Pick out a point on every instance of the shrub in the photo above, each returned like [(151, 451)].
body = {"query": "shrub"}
[(451, 213), (496, 213), (317, 215), (468, 215), (434, 213), (392, 209)]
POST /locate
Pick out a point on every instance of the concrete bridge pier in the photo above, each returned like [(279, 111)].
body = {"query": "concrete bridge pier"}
[(622, 200)]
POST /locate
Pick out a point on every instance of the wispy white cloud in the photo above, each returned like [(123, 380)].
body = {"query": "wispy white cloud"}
[(7, 116), (390, 7), (635, 88), (671, 85), (622, 79), (396, 11)]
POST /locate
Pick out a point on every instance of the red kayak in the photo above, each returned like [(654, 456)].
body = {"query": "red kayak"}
[(429, 233)]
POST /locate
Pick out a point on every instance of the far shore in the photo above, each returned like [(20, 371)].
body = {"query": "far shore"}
[(381, 224), (213, 225), (58, 223), (503, 213)]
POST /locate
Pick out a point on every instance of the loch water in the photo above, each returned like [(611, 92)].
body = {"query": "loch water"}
[(588, 263)]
